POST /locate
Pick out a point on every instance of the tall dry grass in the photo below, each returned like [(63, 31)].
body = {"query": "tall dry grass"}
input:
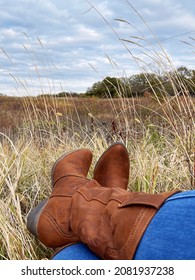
[(158, 131), (159, 138)]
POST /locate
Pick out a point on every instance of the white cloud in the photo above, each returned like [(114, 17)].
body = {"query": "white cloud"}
[(105, 8), (9, 32), (88, 33), (153, 2)]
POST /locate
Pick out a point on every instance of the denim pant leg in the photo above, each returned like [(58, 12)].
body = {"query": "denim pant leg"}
[(76, 251), (170, 235)]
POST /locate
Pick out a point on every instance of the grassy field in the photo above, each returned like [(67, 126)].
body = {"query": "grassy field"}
[(34, 132), (157, 129)]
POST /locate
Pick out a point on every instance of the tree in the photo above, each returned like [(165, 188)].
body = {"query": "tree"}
[(144, 82), (137, 84), (185, 72), (187, 77), (109, 87)]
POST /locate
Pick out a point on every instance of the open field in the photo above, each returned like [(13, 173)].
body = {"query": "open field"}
[(34, 132), (158, 129)]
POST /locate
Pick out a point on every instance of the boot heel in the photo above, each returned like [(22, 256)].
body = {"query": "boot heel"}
[(33, 217)]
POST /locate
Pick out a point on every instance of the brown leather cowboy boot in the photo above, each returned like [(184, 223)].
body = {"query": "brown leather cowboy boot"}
[(49, 221), (112, 169), (112, 221)]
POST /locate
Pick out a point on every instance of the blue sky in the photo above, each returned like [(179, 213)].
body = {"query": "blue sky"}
[(67, 45)]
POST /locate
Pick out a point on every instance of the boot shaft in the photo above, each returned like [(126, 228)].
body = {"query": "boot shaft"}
[(112, 221)]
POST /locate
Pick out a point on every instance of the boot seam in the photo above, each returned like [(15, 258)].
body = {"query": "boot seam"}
[(69, 175), (56, 226), (137, 232)]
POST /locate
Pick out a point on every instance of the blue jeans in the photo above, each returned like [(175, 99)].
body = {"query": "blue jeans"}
[(169, 236)]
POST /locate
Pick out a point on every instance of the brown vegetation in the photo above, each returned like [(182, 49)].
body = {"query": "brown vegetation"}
[(35, 131)]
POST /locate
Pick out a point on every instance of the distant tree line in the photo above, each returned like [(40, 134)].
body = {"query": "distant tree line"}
[(66, 94), (181, 81), (62, 94)]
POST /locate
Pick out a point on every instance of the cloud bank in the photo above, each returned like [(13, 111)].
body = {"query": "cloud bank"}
[(52, 46)]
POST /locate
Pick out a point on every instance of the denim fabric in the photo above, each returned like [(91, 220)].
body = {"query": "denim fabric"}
[(77, 251), (171, 233), (169, 236)]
